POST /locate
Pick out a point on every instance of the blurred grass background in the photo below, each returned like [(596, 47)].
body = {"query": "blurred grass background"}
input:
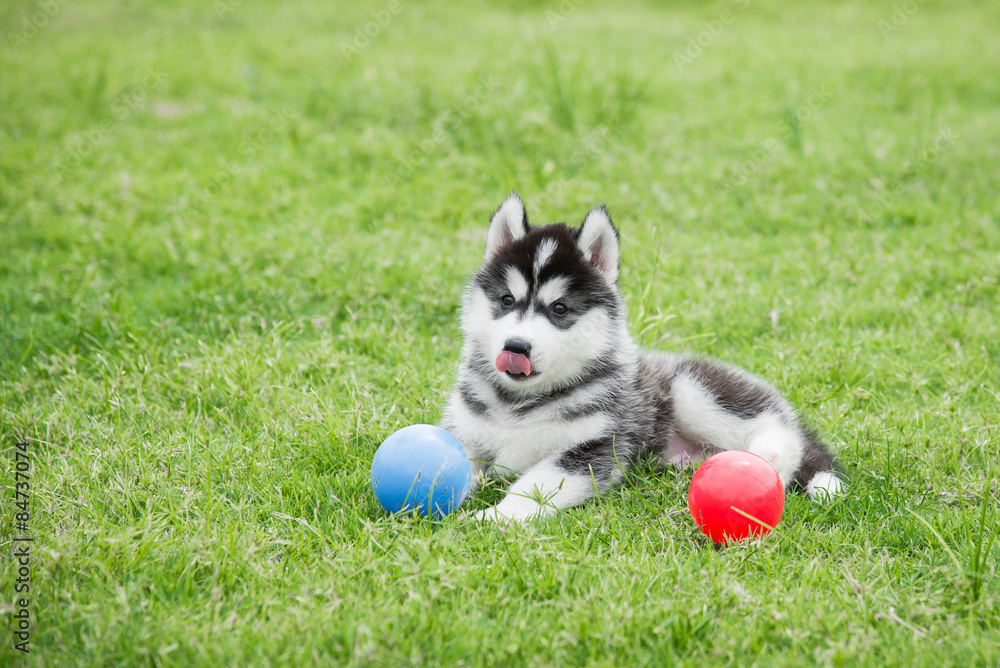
[(233, 239)]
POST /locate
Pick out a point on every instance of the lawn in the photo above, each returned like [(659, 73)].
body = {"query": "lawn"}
[(233, 236)]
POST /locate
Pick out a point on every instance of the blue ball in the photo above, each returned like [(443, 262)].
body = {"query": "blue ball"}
[(421, 467)]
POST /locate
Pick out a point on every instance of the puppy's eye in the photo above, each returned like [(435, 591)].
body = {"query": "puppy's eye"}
[(559, 308), (507, 300)]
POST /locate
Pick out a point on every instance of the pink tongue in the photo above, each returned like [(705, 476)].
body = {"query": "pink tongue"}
[(514, 363)]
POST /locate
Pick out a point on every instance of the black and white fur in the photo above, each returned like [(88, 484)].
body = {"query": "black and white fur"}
[(593, 402)]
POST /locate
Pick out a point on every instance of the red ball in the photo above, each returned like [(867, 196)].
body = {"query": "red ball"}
[(731, 486)]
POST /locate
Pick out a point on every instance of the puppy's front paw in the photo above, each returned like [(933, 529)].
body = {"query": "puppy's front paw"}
[(513, 509), (499, 515)]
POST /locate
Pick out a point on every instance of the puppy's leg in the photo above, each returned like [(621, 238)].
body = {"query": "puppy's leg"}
[(728, 409), (558, 482), (543, 489)]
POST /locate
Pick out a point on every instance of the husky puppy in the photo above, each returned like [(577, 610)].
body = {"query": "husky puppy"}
[(552, 387)]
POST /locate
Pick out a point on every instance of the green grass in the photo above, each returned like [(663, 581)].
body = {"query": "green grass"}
[(230, 261)]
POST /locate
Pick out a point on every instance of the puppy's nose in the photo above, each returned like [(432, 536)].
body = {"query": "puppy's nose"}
[(518, 346)]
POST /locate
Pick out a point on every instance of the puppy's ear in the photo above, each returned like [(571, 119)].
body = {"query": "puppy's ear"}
[(508, 224), (599, 242)]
